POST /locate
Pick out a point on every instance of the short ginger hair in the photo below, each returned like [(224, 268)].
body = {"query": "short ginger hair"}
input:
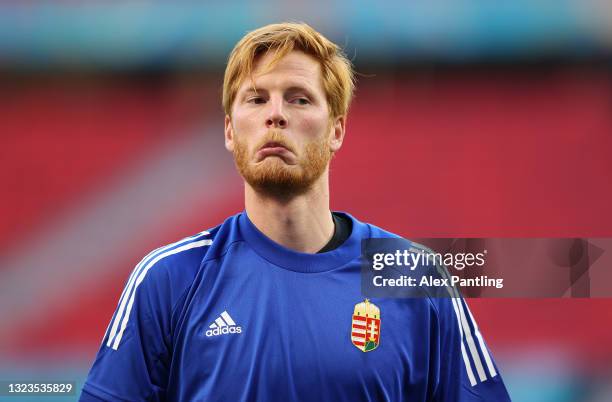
[(337, 71)]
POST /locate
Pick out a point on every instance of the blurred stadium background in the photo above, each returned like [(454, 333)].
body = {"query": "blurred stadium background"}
[(471, 118)]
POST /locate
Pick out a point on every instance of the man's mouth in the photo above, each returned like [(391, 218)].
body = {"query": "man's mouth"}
[(273, 145), (273, 148)]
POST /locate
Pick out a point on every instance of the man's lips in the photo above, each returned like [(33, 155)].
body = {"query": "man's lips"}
[(272, 144), (273, 149)]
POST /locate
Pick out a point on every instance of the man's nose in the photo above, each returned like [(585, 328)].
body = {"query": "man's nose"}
[(276, 115)]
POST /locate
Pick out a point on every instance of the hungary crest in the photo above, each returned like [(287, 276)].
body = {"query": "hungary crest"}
[(365, 330)]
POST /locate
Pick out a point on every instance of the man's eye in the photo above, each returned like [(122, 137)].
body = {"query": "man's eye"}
[(256, 100), (301, 101)]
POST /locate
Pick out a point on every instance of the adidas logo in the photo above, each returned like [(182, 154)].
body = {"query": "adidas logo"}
[(223, 325)]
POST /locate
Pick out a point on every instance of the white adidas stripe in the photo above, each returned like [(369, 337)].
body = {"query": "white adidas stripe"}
[(458, 304), (130, 288), (466, 337), (227, 318), (127, 290), (466, 361), (483, 347), (470, 339), (223, 320), (464, 328), (126, 318)]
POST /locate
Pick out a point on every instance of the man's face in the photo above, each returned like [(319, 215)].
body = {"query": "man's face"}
[(281, 135)]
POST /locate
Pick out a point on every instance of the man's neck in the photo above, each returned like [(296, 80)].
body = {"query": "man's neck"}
[(302, 223)]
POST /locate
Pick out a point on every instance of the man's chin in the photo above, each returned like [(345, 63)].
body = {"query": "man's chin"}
[(277, 177), (284, 180), (274, 162)]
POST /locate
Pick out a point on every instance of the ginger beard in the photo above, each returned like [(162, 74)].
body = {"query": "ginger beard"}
[(272, 176)]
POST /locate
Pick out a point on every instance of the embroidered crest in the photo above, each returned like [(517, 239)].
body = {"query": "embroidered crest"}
[(365, 329)]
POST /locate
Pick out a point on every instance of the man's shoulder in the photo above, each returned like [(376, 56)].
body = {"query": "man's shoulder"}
[(182, 259), (376, 232)]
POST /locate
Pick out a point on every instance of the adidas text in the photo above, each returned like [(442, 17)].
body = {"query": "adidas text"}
[(223, 331)]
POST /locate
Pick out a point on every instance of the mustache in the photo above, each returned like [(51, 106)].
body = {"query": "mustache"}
[(277, 137)]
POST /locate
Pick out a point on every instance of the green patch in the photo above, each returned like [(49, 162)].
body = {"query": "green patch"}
[(370, 345)]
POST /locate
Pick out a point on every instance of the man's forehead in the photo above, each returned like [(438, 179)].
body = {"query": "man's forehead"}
[(294, 60), (294, 70)]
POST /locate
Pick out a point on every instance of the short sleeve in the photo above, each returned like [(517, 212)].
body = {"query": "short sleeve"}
[(467, 371), (133, 359)]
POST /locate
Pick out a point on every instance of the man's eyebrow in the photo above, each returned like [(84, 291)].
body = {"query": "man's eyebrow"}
[(252, 90), (292, 88), (299, 88)]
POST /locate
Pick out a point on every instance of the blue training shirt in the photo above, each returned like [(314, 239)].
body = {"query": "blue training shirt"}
[(230, 315)]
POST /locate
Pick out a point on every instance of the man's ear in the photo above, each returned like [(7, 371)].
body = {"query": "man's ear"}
[(229, 134), (338, 131)]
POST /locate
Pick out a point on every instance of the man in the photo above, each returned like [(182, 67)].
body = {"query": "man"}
[(267, 306)]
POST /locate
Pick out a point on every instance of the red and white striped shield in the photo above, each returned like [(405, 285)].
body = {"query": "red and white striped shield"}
[(365, 328)]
